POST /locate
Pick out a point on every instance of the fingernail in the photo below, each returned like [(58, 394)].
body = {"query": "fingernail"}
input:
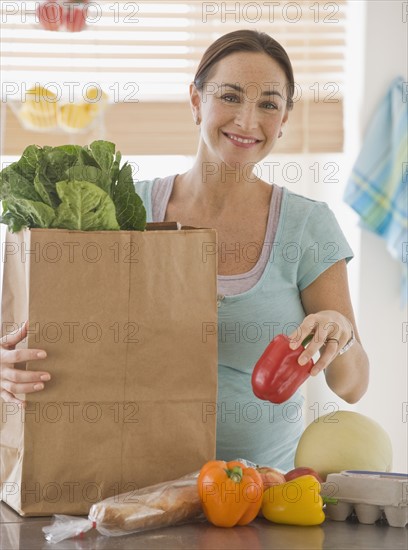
[(293, 345), (302, 361), (313, 372), (41, 355), (45, 377), (38, 386)]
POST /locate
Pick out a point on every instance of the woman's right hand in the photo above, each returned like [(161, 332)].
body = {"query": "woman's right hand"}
[(15, 381)]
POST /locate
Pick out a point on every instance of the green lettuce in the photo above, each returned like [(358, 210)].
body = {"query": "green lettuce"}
[(130, 212), (84, 206), (71, 187)]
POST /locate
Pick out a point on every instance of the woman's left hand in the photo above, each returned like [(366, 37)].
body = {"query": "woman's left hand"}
[(331, 331)]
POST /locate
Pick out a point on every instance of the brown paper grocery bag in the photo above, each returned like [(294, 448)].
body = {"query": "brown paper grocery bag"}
[(128, 320)]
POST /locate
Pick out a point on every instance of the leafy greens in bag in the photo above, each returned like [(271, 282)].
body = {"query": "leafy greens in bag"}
[(71, 187)]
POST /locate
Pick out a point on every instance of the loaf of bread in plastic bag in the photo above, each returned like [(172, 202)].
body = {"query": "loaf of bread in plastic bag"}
[(161, 505)]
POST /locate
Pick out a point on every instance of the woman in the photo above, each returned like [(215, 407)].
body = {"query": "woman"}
[(282, 257)]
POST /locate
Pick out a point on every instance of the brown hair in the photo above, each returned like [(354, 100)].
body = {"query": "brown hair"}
[(245, 41)]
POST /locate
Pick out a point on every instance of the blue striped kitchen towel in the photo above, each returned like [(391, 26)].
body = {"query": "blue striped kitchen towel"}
[(378, 186)]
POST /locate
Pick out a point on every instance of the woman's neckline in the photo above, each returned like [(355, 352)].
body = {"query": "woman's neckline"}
[(274, 206)]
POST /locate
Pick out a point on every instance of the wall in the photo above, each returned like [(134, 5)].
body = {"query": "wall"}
[(378, 53), (380, 313), (378, 39), (374, 278)]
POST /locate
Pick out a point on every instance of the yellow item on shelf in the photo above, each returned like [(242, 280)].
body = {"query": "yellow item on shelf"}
[(39, 111), (36, 121), (78, 116), (93, 94), (74, 117)]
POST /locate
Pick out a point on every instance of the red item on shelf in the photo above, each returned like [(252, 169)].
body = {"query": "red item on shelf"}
[(50, 15), (75, 16)]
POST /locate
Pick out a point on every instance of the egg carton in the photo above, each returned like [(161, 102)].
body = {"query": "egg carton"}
[(371, 495)]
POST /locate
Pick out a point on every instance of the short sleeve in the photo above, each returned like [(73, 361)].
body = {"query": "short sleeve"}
[(322, 244)]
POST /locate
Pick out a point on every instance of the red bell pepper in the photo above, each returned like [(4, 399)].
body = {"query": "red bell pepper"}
[(50, 15), (75, 15), (277, 374)]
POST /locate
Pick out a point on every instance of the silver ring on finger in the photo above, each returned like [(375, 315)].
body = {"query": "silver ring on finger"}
[(332, 340)]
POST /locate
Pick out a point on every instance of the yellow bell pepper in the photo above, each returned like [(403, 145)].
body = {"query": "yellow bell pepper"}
[(297, 502)]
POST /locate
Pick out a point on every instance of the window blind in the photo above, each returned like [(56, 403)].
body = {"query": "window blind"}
[(144, 55)]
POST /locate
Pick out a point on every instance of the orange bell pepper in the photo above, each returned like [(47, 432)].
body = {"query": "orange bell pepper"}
[(230, 493)]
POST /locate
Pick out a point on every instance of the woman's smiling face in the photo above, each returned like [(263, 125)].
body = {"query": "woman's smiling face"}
[(242, 108)]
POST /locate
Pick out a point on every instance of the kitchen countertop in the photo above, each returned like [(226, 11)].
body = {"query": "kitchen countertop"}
[(26, 534)]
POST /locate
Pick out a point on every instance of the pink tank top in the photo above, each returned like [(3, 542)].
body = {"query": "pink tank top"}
[(228, 285)]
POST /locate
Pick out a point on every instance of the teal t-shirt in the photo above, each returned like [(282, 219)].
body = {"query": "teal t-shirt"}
[(308, 240)]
